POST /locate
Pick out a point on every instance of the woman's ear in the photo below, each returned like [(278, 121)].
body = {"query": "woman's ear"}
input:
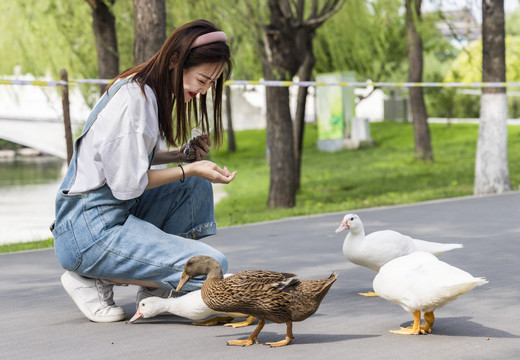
[(173, 62)]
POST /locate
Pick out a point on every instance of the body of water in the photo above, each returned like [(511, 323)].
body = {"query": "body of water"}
[(28, 188)]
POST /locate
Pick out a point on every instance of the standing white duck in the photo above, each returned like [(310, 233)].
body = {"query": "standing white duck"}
[(379, 247), (421, 282), (190, 306)]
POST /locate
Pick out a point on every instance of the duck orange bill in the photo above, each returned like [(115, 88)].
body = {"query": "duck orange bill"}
[(138, 315), (184, 279)]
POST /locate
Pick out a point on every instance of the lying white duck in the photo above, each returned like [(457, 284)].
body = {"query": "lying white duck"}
[(421, 282), (190, 306), (379, 247)]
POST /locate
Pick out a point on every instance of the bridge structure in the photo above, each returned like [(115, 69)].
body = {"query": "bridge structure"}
[(44, 135), (33, 116)]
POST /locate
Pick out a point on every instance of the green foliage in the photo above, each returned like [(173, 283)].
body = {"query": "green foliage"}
[(367, 37), (44, 36), (513, 23), (467, 67), (31, 245), (235, 20), (382, 175)]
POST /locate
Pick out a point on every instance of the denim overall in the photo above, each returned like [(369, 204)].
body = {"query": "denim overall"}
[(148, 238)]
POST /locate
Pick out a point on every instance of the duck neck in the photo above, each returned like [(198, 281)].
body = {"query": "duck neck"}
[(215, 274), (354, 238)]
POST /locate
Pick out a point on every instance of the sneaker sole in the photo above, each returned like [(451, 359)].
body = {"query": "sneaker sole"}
[(65, 282)]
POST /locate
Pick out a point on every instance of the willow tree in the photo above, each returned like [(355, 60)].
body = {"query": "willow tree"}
[(491, 168), (287, 50)]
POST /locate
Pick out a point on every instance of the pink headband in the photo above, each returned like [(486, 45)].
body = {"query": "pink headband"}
[(212, 37)]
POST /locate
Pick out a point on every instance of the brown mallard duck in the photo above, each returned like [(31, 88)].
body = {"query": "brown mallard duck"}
[(267, 295)]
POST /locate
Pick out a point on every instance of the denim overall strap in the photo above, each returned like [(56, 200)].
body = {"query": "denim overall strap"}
[(70, 176), (100, 106)]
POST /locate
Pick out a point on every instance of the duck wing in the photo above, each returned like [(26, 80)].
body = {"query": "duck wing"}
[(380, 247), (261, 293), (434, 248), (259, 277)]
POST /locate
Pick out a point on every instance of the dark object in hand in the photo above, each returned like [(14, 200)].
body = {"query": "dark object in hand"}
[(189, 150)]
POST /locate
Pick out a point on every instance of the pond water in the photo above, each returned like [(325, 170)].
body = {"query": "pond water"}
[(30, 170), (28, 187)]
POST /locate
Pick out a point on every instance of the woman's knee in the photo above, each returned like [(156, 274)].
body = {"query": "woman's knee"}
[(202, 186), (221, 258)]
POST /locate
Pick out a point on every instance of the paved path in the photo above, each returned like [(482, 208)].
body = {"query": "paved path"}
[(40, 321)]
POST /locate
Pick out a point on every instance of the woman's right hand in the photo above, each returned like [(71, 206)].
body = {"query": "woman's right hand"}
[(209, 171)]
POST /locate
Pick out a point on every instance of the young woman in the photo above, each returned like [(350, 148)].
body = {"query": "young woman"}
[(118, 221)]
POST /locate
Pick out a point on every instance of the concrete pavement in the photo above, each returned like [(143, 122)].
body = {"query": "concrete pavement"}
[(40, 321)]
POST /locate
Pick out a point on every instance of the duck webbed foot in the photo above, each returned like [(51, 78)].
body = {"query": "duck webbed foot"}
[(239, 324), (249, 341), (369, 294), (415, 329), (427, 325), (252, 339), (288, 337), (283, 342), (214, 321)]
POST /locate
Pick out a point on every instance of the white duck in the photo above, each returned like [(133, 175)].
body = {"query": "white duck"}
[(421, 282), (377, 248), (190, 306)]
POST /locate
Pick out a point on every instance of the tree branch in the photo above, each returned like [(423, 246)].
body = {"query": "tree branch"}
[(329, 8), (286, 9), (300, 10)]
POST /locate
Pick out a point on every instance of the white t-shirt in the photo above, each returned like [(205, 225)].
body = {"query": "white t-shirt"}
[(116, 148)]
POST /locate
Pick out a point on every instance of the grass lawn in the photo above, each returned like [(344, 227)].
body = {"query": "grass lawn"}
[(385, 174)]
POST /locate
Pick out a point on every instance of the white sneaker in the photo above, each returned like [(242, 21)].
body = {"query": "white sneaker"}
[(94, 297)]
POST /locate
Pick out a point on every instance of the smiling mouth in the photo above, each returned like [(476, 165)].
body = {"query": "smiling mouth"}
[(192, 94)]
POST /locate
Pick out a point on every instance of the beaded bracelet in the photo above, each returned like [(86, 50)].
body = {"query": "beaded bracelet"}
[(182, 180)]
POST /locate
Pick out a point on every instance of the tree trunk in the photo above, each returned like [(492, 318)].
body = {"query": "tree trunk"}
[(304, 74), (423, 148), (282, 192), (491, 167), (232, 147), (281, 63), (287, 41), (104, 25), (149, 28)]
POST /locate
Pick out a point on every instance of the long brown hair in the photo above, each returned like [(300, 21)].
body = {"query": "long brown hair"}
[(167, 84)]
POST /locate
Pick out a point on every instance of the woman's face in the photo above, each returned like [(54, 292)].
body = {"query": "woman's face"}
[(198, 79)]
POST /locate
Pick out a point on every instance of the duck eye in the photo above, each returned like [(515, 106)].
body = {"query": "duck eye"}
[(351, 219)]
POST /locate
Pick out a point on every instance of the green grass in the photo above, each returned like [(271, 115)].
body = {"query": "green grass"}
[(32, 245), (385, 174)]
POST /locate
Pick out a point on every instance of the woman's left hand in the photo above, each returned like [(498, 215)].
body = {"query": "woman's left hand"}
[(201, 147)]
